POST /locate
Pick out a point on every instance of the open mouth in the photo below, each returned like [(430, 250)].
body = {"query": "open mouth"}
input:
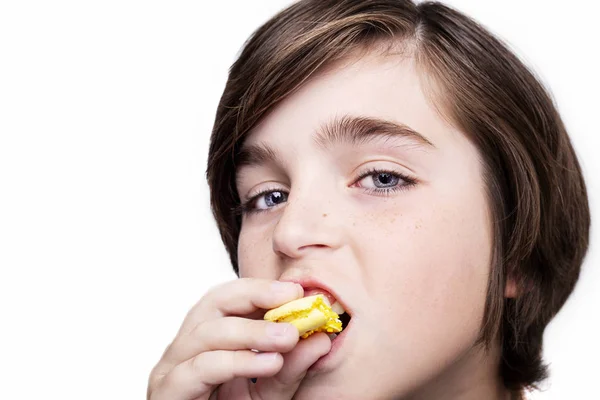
[(336, 307), (342, 313), (345, 318)]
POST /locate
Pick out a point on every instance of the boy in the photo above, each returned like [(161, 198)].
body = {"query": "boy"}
[(401, 160)]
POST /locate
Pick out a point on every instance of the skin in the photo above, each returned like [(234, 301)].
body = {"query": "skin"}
[(412, 265)]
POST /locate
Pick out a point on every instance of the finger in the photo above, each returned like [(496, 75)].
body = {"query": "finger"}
[(241, 297), (232, 333), (238, 296), (197, 377), (285, 383)]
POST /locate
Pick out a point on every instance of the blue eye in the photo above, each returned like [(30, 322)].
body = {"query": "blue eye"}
[(269, 199), (273, 198), (386, 179), (391, 181)]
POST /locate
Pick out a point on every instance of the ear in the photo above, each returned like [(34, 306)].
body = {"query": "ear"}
[(510, 290)]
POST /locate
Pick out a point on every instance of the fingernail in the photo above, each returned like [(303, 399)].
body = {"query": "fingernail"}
[(266, 357), (275, 329), (284, 287)]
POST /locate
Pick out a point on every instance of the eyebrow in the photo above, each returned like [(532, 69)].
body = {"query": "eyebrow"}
[(345, 130)]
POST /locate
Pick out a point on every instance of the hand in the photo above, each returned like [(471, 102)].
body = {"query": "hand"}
[(211, 356)]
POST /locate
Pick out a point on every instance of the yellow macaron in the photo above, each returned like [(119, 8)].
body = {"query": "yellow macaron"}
[(310, 314)]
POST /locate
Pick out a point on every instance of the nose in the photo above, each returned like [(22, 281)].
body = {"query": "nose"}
[(308, 223)]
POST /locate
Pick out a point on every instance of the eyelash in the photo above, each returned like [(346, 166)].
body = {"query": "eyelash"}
[(246, 208)]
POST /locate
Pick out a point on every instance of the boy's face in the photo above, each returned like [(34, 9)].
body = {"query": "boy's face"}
[(412, 264)]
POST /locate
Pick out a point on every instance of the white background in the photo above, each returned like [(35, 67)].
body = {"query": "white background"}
[(106, 237)]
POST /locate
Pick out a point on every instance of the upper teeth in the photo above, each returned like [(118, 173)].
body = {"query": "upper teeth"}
[(337, 308)]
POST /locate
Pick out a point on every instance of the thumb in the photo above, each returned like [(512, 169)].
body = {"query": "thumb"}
[(285, 383)]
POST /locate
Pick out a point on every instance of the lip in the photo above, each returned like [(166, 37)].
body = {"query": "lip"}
[(329, 360), (314, 283)]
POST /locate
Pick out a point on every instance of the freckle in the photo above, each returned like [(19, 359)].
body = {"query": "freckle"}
[(324, 215)]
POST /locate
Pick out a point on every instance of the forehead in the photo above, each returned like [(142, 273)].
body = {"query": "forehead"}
[(379, 87)]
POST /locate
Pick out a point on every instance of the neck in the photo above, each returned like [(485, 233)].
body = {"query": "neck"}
[(475, 376)]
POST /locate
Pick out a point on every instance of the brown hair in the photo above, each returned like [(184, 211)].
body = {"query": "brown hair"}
[(535, 186)]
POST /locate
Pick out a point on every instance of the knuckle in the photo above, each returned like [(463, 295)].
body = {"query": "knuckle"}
[(152, 387), (199, 330), (197, 364), (171, 379), (238, 360), (153, 382), (232, 359), (157, 375), (257, 329)]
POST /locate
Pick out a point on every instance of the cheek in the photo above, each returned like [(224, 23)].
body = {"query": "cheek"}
[(253, 253), (431, 267)]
